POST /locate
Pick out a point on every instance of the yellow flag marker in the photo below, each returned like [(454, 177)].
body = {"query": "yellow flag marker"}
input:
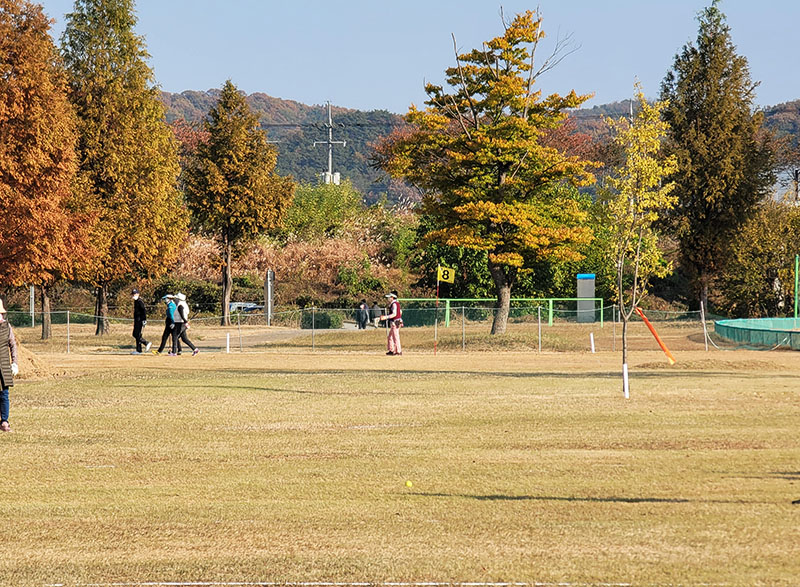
[(446, 275)]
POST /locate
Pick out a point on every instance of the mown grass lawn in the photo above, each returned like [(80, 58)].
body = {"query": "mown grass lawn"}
[(293, 467)]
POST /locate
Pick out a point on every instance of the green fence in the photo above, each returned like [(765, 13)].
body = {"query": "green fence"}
[(565, 308), (761, 332)]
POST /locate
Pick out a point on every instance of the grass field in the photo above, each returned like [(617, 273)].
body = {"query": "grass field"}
[(292, 466)]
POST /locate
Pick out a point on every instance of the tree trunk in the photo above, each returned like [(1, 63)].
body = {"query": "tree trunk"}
[(502, 282), (704, 291), (101, 310), (45, 297), (227, 284), (625, 387)]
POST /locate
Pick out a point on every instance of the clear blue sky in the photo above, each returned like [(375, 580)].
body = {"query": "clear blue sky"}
[(377, 54)]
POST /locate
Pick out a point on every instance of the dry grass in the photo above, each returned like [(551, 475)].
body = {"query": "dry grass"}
[(293, 467)]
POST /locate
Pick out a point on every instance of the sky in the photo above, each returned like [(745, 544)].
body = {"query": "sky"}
[(378, 54)]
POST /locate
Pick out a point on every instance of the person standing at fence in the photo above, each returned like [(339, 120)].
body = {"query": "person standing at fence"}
[(362, 315), (395, 320), (169, 323), (8, 367), (181, 326), (139, 322), (376, 314)]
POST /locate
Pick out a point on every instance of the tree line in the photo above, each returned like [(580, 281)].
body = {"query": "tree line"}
[(90, 175), (99, 189)]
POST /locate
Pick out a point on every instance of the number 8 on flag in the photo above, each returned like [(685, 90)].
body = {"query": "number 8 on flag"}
[(445, 274)]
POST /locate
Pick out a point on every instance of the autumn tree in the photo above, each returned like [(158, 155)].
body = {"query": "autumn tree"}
[(758, 279), (231, 186), (479, 155), (724, 162), (127, 154), (44, 227), (632, 198)]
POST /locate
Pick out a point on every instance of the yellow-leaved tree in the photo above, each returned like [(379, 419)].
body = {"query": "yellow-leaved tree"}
[(632, 198), (479, 154), (128, 156)]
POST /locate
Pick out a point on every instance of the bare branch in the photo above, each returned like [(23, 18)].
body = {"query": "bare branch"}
[(464, 85)]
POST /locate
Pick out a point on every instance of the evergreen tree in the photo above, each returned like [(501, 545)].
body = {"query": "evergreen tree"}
[(44, 230), (479, 153), (724, 165), (127, 153), (231, 186)]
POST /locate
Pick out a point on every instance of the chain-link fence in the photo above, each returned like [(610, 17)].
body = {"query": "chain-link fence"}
[(541, 327)]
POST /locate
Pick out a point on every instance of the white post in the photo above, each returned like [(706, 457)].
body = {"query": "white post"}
[(314, 325), (33, 307), (269, 287), (227, 342), (705, 330), (591, 339), (67, 331), (539, 308), (625, 388)]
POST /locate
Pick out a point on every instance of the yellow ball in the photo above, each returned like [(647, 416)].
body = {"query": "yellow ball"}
[(409, 484)]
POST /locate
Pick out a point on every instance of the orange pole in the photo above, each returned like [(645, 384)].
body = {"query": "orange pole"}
[(655, 334)]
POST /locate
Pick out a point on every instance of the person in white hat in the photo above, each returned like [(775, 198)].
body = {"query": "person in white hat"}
[(181, 326), (395, 321), (8, 366)]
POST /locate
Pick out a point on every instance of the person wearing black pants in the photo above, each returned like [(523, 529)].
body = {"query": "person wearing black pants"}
[(181, 326), (169, 324), (139, 322)]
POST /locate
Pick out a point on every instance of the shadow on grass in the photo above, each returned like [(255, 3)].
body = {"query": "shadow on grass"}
[(533, 374), (611, 499)]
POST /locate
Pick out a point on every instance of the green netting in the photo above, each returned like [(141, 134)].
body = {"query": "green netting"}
[(761, 332)]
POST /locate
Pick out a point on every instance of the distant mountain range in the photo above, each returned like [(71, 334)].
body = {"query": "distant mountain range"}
[(295, 127)]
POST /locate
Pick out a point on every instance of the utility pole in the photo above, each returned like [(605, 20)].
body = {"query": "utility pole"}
[(329, 176)]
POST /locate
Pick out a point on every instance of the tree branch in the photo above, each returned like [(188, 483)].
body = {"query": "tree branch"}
[(464, 85)]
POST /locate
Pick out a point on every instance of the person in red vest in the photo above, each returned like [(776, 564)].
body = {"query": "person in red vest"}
[(395, 321)]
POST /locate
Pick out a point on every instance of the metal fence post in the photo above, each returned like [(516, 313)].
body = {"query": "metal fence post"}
[(313, 326), (463, 330), (550, 312), (67, 331)]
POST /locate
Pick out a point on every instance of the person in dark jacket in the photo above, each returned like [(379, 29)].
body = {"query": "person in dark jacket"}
[(139, 322), (169, 323), (375, 313), (362, 315), (8, 367)]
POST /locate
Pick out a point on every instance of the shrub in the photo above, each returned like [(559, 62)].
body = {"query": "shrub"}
[(321, 320)]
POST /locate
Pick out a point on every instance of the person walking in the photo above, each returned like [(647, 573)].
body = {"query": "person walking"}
[(362, 315), (395, 321), (139, 322), (181, 326), (8, 367), (375, 313), (169, 323)]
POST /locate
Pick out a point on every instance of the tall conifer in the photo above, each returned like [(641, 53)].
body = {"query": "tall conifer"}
[(724, 167), (231, 185), (128, 155)]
